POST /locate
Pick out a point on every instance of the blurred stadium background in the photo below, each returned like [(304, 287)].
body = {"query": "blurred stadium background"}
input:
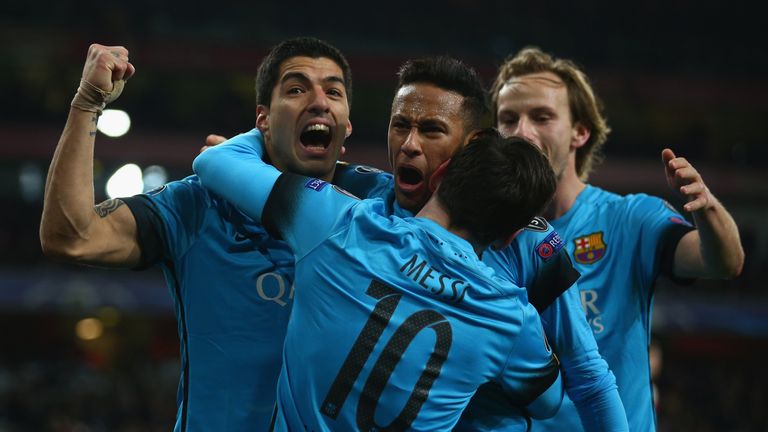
[(94, 350)]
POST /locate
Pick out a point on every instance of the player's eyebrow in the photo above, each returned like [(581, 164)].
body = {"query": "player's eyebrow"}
[(434, 122), (305, 79), (335, 79), (294, 75)]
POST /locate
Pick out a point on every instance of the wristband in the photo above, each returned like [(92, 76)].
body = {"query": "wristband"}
[(93, 99)]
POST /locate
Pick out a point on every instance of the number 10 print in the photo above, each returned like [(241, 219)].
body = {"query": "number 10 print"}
[(388, 299)]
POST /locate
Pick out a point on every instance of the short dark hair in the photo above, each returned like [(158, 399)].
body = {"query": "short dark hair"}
[(494, 186), (269, 69), (452, 75)]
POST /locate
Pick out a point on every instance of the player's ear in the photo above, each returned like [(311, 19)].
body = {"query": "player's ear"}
[(347, 133), (437, 176), (262, 118), (579, 135), (477, 133)]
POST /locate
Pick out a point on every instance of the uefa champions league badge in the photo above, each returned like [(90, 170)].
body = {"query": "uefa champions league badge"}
[(315, 184), (550, 246)]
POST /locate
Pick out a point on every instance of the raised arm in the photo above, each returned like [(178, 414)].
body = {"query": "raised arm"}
[(72, 228), (283, 202), (714, 249), (235, 170)]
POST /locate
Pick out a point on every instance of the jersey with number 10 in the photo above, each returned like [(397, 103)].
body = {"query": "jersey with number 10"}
[(232, 287), (398, 319), (395, 322), (537, 260)]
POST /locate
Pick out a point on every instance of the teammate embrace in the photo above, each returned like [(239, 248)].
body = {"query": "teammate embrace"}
[(373, 343)]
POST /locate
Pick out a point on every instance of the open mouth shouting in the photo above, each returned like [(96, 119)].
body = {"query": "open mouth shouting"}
[(409, 179), (316, 138)]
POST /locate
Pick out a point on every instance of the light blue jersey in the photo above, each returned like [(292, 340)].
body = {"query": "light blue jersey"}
[(537, 260), (232, 286), (620, 244), (396, 322)]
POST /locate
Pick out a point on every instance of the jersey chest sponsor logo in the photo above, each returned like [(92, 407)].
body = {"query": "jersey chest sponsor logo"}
[(589, 299), (589, 248), (274, 287)]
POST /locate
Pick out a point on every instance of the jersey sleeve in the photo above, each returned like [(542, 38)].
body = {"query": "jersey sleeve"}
[(660, 229), (363, 181), (304, 211), (235, 171), (538, 261), (168, 219), (531, 377), (588, 381), (300, 210)]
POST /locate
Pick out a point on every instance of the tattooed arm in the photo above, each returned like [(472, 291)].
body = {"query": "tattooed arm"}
[(72, 229)]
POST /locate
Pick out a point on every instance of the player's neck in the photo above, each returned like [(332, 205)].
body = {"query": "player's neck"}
[(569, 186), (435, 212)]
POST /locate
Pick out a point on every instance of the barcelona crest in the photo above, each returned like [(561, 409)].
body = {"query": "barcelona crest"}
[(589, 248)]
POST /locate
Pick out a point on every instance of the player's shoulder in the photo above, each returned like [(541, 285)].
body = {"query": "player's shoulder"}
[(368, 215), (599, 196), (642, 206), (504, 287), (359, 169), (538, 226), (187, 195), (189, 184), (538, 236), (614, 205), (361, 172), (484, 283), (362, 180)]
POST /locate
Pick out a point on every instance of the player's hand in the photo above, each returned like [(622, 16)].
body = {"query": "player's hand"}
[(106, 64), (683, 177), (212, 140)]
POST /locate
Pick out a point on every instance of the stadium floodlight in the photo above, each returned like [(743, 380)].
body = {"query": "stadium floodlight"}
[(114, 123), (154, 177), (126, 181), (89, 329)]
